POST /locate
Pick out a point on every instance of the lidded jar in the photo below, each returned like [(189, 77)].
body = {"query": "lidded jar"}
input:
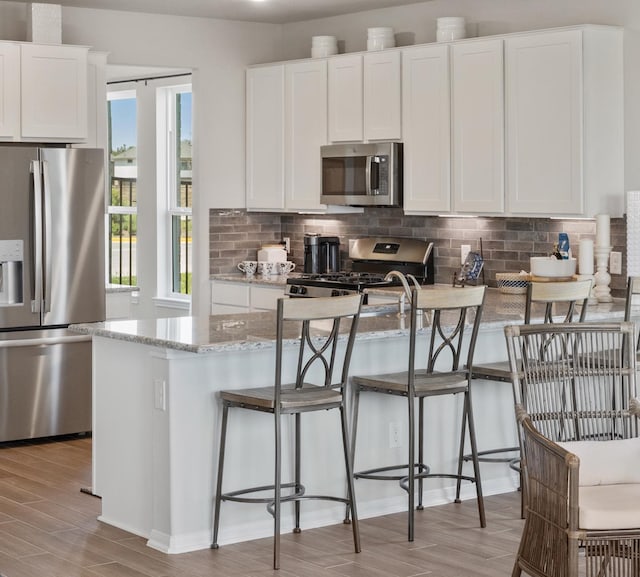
[(451, 28), (272, 253)]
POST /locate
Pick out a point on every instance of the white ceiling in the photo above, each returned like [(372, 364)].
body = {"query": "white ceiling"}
[(273, 11)]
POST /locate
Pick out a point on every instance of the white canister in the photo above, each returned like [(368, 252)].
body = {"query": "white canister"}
[(451, 28), (323, 46), (272, 253), (380, 38)]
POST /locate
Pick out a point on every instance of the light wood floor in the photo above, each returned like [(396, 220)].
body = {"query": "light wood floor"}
[(48, 528)]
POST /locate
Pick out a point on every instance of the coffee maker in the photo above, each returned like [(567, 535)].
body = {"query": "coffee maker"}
[(321, 253)]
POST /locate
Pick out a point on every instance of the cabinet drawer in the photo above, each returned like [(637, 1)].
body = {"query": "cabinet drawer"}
[(263, 298), (230, 294)]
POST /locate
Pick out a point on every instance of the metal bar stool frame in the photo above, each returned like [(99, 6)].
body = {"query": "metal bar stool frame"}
[(543, 293), (416, 385), (295, 399)]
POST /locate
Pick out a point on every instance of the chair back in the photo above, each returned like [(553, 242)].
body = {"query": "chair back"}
[(550, 294), (575, 380), (633, 289), (451, 310), (314, 325)]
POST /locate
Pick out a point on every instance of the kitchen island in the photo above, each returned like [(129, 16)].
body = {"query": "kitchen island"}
[(156, 422)]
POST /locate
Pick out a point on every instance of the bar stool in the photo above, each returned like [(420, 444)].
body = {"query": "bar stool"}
[(550, 295), (317, 360), (451, 311)]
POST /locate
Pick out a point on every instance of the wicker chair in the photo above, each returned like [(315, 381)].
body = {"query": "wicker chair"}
[(573, 408)]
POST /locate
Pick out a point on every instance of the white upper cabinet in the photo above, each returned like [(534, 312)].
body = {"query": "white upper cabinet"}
[(564, 100), (9, 90), (345, 98), (478, 126), (265, 137), (382, 95), (54, 92), (305, 133), (426, 128)]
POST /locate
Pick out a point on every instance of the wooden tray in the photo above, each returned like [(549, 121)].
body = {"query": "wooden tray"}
[(552, 278)]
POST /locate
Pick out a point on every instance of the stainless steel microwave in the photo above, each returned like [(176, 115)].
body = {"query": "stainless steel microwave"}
[(362, 174)]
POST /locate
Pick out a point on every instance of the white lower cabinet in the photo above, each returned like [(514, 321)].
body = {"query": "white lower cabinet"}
[(243, 297)]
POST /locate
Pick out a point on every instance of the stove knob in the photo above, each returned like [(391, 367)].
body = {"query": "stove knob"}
[(335, 293), (346, 292), (293, 290), (303, 290)]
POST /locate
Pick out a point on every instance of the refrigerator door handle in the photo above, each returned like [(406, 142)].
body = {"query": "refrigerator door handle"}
[(46, 245), (8, 344), (37, 237)]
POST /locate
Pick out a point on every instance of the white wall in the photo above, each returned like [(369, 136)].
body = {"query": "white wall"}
[(416, 24), (218, 52)]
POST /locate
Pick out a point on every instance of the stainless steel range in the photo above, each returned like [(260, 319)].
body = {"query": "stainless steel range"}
[(371, 259)]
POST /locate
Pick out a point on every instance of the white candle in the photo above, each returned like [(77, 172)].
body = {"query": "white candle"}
[(585, 257), (603, 230)]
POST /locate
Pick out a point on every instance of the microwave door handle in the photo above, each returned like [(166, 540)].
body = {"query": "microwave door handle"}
[(373, 175)]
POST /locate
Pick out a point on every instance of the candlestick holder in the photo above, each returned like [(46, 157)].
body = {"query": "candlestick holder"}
[(602, 276)]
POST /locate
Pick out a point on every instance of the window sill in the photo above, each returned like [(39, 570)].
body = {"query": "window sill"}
[(173, 303)]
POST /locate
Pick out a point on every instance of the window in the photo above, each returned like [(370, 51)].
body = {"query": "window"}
[(123, 174), (178, 220), (150, 221)]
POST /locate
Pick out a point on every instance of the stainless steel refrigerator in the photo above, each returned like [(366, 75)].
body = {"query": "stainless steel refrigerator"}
[(52, 274)]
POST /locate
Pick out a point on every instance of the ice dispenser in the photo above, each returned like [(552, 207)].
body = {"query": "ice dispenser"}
[(11, 260)]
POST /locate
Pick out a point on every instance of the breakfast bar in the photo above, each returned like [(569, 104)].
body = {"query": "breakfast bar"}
[(156, 421)]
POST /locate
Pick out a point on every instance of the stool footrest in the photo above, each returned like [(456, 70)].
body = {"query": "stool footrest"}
[(484, 458), (404, 482), (237, 495), (374, 473)]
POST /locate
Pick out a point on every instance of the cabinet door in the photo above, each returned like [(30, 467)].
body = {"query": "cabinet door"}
[(544, 123), (54, 91), (306, 131), (426, 128), (478, 126), (265, 137), (345, 98), (9, 90), (382, 95)]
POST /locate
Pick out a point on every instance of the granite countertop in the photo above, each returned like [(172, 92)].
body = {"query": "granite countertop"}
[(276, 279), (250, 331)]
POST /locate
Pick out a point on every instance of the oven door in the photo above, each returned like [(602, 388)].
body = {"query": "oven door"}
[(362, 174)]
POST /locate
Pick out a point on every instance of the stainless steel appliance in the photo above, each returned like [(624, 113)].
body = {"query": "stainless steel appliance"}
[(52, 210), (321, 253), (371, 260), (362, 174)]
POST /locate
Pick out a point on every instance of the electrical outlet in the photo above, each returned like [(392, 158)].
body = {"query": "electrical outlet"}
[(287, 243), (465, 249), (615, 263), (160, 390), (394, 435)]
